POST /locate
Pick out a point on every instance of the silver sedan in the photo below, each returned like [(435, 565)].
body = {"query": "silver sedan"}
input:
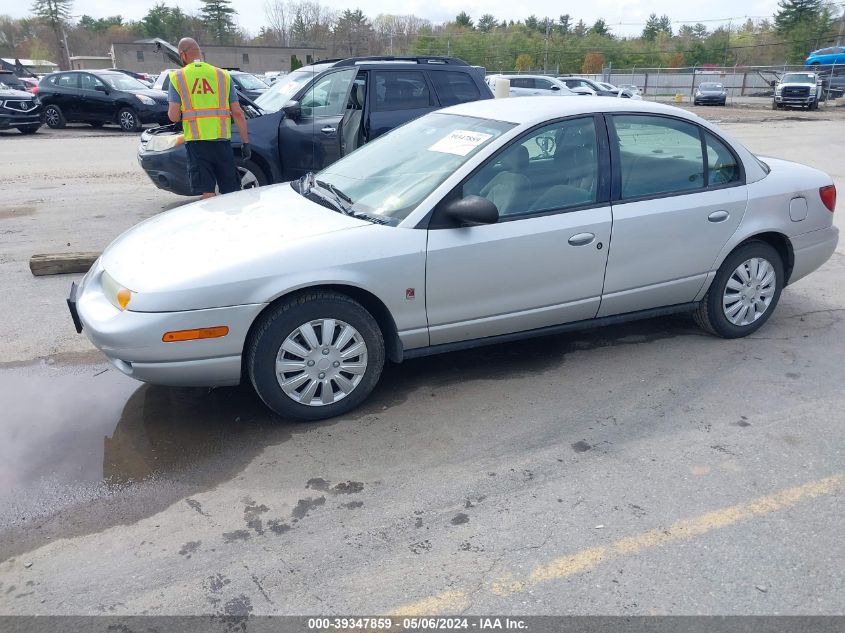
[(485, 222)]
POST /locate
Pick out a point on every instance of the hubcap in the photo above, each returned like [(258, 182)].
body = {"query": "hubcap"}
[(52, 116), (127, 120), (749, 291), (248, 179), (321, 362)]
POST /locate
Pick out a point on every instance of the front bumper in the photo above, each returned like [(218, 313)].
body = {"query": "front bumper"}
[(153, 113), (795, 101), (132, 341), (717, 99), (168, 169), (11, 120)]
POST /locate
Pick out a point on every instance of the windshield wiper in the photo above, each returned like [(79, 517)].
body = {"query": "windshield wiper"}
[(343, 201)]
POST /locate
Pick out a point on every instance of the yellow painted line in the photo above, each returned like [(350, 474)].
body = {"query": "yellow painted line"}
[(685, 529), (446, 602)]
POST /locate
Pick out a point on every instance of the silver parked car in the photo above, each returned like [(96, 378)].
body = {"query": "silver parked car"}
[(533, 86), (483, 222)]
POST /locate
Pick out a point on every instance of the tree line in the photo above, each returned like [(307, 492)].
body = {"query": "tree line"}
[(551, 44)]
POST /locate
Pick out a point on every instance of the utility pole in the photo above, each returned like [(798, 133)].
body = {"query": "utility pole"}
[(841, 28), (546, 47), (728, 44)]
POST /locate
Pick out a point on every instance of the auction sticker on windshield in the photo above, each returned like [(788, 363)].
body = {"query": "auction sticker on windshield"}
[(460, 142)]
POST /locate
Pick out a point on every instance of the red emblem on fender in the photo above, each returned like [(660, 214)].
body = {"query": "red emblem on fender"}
[(410, 294)]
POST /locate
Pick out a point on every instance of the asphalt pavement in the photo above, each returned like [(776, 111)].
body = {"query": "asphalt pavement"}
[(639, 469)]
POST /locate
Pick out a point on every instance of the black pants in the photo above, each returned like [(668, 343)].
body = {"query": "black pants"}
[(211, 165)]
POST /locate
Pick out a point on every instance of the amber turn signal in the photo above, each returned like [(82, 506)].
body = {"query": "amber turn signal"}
[(123, 297), (194, 335)]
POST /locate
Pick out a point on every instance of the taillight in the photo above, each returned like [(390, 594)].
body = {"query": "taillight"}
[(34, 89), (828, 196)]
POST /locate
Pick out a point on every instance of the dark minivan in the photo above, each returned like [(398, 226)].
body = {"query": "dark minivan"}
[(98, 97), (316, 114)]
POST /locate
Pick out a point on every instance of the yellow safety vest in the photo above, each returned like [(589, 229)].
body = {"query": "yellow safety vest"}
[(204, 91)]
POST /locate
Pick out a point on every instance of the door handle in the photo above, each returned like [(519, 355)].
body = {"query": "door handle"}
[(719, 216), (329, 130), (582, 239)]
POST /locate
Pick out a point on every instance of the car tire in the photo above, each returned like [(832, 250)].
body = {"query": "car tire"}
[(726, 310), (250, 174), (814, 105), (289, 326), (28, 130), (54, 118), (128, 120)]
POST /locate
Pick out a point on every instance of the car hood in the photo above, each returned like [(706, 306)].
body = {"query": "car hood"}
[(195, 251), (12, 93), (158, 95)]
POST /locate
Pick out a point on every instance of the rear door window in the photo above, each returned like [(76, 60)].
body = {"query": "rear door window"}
[(401, 90), (89, 82), (454, 87), (68, 80), (522, 82), (658, 155)]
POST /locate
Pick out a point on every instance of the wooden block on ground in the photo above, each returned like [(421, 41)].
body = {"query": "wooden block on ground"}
[(61, 263)]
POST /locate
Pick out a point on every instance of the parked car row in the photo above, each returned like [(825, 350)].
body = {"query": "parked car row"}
[(523, 85)]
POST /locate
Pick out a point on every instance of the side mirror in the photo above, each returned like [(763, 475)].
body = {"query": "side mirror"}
[(101, 89), (292, 109), (556, 88), (471, 211)]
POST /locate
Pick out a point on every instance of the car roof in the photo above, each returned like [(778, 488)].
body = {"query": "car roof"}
[(514, 110)]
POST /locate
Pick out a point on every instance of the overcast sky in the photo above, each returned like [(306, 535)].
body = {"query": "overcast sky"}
[(624, 16)]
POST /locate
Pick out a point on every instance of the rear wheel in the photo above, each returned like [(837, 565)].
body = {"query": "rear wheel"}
[(128, 120), (744, 292), (53, 117), (315, 356)]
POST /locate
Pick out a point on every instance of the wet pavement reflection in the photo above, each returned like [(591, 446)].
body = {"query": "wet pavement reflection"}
[(76, 436)]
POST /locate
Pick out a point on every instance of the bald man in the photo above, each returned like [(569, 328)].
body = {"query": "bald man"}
[(204, 98)]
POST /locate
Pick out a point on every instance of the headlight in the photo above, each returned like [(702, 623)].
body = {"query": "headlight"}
[(117, 295), (146, 99), (162, 142)]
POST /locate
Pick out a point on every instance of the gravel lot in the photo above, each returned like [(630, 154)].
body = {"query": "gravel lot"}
[(639, 469)]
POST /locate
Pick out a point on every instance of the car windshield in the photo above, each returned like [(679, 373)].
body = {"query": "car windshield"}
[(799, 78), (710, 86), (122, 82), (251, 82), (284, 89), (11, 80), (392, 174)]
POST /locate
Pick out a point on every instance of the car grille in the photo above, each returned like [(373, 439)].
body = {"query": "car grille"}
[(796, 91), (21, 105)]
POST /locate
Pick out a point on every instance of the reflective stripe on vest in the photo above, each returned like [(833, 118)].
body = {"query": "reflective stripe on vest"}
[(204, 93)]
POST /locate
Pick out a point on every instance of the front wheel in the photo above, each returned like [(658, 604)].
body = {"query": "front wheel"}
[(250, 174), (744, 292), (315, 356), (128, 120)]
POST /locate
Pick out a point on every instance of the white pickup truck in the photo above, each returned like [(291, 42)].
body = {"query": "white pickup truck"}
[(801, 89)]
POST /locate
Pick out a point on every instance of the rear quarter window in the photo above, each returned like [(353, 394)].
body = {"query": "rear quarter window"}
[(454, 87), (401, 90)]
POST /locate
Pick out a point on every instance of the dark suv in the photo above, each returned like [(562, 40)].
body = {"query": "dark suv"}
[(316, 114), (98, 97)]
